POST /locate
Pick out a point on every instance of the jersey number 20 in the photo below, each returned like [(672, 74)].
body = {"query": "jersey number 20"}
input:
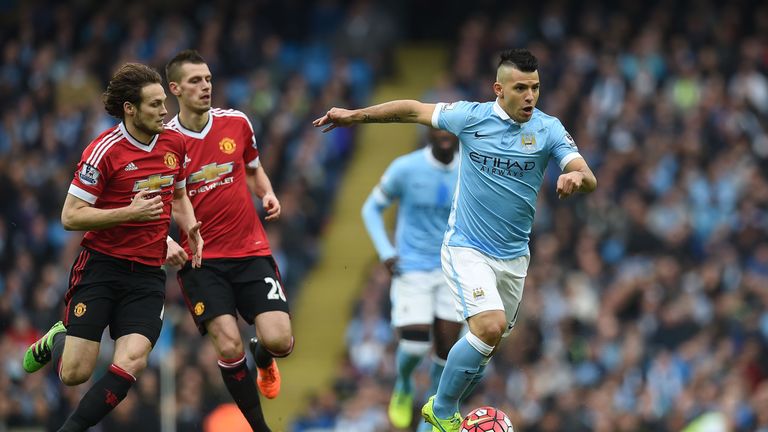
[(275, 290)]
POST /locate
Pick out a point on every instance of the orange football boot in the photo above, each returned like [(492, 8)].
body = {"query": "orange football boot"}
[(268, 380)]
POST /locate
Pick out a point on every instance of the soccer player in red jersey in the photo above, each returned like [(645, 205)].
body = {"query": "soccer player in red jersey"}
[(239, 273), (121, 194)]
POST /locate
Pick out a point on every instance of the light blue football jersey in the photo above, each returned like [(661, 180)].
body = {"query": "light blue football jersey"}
[(424, 188), (501, 170)]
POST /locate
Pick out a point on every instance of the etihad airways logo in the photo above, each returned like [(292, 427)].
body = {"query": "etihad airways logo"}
[(502, 166)]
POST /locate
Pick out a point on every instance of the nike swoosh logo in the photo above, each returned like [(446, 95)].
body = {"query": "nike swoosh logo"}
[(471, 422), (477, 135)]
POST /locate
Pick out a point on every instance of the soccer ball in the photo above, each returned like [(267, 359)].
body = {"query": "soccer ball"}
[(486, 419)]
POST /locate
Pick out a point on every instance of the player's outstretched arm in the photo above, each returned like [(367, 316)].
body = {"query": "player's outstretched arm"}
[(259, 183), (398, 111), (184, 215), (80, 215), (576, 177)]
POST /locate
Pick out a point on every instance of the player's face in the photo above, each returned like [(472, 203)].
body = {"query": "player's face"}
[(195, 87), (149, 115), (518, 92), (443, 142)]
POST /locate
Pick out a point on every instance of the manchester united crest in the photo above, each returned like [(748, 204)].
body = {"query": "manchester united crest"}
[(199, 308), (227, 145), (80, 309), (170, 160)]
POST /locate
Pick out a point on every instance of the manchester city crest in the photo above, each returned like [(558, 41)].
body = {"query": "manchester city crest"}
[(528, 143)]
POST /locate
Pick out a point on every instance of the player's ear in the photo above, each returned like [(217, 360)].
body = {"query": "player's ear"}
[(498, 89), (173, 86), (129, 108)]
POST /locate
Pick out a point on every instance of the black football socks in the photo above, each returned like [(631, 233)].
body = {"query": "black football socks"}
[(57, 350), (241, 386), (104, 396)]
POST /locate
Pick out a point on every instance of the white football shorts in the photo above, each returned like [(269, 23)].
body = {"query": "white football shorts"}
[(481, 283), (420, 296)]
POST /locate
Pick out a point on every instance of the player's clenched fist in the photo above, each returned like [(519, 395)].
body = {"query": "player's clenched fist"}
[(271, 206), (568, 184), (175, 256), (143, 209)]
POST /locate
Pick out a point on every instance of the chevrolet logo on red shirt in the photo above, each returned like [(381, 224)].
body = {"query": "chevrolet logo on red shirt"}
[(210, 172), (154, 182)]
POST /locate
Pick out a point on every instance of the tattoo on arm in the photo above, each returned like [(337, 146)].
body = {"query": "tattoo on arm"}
[(394, 118)]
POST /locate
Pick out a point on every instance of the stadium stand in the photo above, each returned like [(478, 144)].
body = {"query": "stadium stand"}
[(646, 307), (279, 62)]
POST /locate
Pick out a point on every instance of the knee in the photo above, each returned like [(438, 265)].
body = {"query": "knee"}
[(490, 331), (133, 366), (230, 347), (273, 330), (74, 375), (132, 362), (280, 346)]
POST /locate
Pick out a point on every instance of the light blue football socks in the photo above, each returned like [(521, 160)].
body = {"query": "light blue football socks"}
[(462, 366)]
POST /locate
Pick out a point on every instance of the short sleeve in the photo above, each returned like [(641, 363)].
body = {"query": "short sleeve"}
[(563, 147), (91, 174), (452, 117), (182, 177), (251, 153), (391, 183)]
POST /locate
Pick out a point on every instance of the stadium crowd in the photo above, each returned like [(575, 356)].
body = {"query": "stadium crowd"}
[(646, 304), (279, 62)]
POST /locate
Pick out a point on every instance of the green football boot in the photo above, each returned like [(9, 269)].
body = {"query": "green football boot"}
[(452, 424), (401, 409), (39, 353)]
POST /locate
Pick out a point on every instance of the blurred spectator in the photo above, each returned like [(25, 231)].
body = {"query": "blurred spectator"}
[(653, 315), (54, 62)]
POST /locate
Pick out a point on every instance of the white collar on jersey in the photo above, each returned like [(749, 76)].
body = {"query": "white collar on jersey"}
[(436, 163), (138, 144), (503, 114), (191, 133)]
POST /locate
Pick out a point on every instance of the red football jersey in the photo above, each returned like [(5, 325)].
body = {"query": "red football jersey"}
[(115, 167), (217, 158)]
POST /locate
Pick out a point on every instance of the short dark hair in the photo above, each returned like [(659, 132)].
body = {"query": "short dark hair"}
[(186, 56), (520, 59), (126, 85)]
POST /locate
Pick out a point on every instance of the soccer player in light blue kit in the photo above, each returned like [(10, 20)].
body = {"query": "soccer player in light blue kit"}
[(506, 145), (423, 182)]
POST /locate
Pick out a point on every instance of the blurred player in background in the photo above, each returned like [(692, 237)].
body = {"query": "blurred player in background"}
[(505, 147), (239, 273), (423, 183), (122, 192)]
